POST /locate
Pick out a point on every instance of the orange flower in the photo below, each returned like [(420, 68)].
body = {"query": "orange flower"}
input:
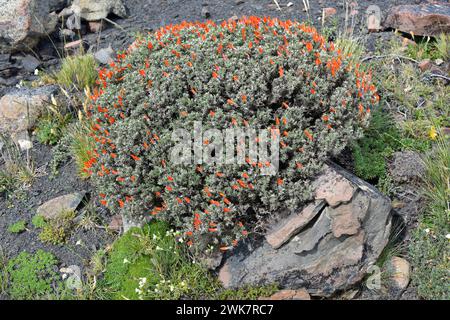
[(281, 71), (309, 46), (309, 135)]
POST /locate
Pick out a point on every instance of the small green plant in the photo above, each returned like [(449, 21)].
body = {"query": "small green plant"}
[(57, 230), (38, 221), (381, 139), (79, 72), (4, 277), (77, 144), (425, 48), (18, 227), (429, 249), (248, 293), (7, 182), (33, 276), (150, 263), (50, 128)]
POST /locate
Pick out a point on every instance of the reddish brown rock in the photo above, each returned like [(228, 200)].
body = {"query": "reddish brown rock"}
[(96, 26), (426, 20), (329, 12), (116, 223), (300, 294), (333, 188), (425, 65)]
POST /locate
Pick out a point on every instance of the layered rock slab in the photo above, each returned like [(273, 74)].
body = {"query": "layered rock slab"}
[(331, 252)]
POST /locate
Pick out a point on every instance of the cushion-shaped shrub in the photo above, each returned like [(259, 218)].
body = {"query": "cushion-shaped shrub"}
[(258, 73)]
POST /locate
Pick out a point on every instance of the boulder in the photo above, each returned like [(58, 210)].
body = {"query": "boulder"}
[(20, 108), (53, 208), (331, 252), (92, 10), (398, 270), (429, 19), (24, 22)]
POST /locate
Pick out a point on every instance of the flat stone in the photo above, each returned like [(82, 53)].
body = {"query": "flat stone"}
[(54, 207), (293, 225), (96, 10), (329, 12), (30, 63), (429, 19), (300, 294), (407, 166), (333, 188), (425, 65), (346, 218)]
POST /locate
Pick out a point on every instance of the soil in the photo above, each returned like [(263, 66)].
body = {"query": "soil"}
[(144, 16)]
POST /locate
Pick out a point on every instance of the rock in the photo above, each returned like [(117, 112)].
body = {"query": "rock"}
[(23, 140), (116, 223), (300, 294), (425, 65), (407, 166), (332, 253), (333, 188), (96, 26), (96, 10), (373, 13), (30, 63), (398, 270), (329, 12), (54, 207), (128, 223), (429, 19), (20, 108), (105, 55), (211, 260), (238, 2), (293, 224), (67, 33), (24, 22), (75, 47), (205, 13), (73, 22), (439, 61)]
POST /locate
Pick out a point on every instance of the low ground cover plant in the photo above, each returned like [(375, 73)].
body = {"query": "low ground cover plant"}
[(277, 76)]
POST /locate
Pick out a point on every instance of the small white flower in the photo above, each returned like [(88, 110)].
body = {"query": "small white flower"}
[(180, 240), (171, 287), (448, 236), (427, 230), (79, 243), (126, 261), (64, 276), (158, 248), (36, 72)]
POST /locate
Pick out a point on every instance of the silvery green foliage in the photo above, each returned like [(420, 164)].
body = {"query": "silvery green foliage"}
[(259, 73)]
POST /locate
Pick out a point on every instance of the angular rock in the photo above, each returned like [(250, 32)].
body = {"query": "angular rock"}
[(116, 223), (429, 19), (24, 22), (53, 208), (424, 65), (320, 259), (346, 219), (333, 188), (398, 270), (20, 108), (30, 63), (105, 55), (96, 26), (289, 227), (300, 294), (99, 9), (407, 166), (329, 12)]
